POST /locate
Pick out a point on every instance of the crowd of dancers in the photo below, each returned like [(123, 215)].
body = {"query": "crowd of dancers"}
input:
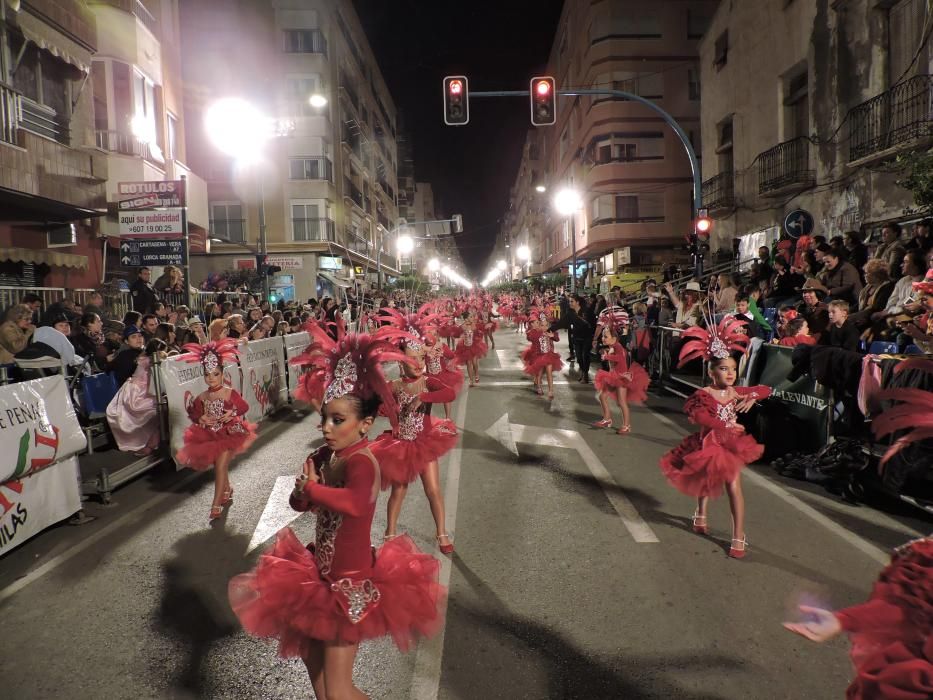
[(321, 600)]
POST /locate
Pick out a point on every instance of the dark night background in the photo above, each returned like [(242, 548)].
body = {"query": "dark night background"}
[(498, 46)]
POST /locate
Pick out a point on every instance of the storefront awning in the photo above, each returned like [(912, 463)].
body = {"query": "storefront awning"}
[(46, 257), (59, 53), (23, 208), (336, 281)]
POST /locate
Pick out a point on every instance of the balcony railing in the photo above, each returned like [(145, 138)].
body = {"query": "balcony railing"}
[(353, 192), (785, 165), (719, 191), (42, 120), (318, 229), (628, 220), (903, 114), (355, 241), (383, 220), (150, 22), (9, 114), (315, 168), (128, 145), (233, 230)]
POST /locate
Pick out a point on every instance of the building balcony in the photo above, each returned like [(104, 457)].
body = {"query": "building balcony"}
[(719, 192), (126, 144), (352, 192), (898, 119), (18, 112), (356, 242), (383, 220), (314, 230), (785, 168)]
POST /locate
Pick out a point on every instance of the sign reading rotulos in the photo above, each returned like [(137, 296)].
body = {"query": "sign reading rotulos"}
[(150, 195)]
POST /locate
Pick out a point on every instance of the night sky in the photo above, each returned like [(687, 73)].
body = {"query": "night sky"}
[(498, 46)]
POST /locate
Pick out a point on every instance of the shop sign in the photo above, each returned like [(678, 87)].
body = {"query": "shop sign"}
[(286, 262), (150, 195), (165, 223), (245, 263), (146, 253), (325, 262)]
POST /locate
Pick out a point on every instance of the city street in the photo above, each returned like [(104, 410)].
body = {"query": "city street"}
[(576, 574)]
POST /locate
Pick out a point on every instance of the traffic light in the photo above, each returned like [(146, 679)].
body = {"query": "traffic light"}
[(272, 269), (703, 224), (543, 101), (456, 100)]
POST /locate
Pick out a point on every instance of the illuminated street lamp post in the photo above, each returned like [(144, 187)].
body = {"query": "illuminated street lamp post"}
[(567, 203)]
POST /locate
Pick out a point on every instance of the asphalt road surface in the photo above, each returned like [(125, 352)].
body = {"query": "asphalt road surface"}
[(576, 574)]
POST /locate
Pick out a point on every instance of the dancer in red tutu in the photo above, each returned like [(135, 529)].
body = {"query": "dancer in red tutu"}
[(707, 461), (624, 381), (471, 347), (310, 388), (539, 358), (441, 363), (322, 600), (218, 432), (891, 633), (416, 442)]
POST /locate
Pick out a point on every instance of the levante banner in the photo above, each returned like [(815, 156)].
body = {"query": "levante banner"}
[(33, 503), (264, 388)]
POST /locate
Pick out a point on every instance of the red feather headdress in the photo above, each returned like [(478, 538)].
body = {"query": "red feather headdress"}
[(914, 413), (926, 286), (717, 342), (212, 355), (415, 325)]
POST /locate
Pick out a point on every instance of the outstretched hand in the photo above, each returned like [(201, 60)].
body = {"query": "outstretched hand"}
[(745, 404), (822, 625)]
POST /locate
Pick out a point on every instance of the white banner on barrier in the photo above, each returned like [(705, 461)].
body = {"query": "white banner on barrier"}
[(295, 344), (38, 426), (263, 365), (183, 382), (31, 504)]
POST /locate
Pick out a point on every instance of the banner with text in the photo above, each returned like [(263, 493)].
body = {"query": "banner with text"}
[(183, 382), (38, 426), (33, 503), (264, 388), (295, 344)]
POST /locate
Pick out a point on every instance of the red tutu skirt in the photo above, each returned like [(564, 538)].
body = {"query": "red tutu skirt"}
[(448, 331), (520, 318), (474, 352), (608, 382), (452, 378), (403, 461), (310, 386), (286, 598), (543, 361), (703, 466), (528, 355), (202, 447)]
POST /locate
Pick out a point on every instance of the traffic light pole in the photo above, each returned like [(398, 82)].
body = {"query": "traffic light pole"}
[(263, 247)]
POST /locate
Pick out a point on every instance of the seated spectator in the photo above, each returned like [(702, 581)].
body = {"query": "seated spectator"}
[(858, 252), (65, 307), (182, 313), (257, 332), (124, 363), (874, 295), (113, 339), (196, 332), (838, 244), (282, 328), (34, 302), (841, 332), (919, 330), (922, 239), (161, 312), (902, 299), (88, 341), (796, 333), (742, 312), (132, 414), (812, 309), (891, 251), (840, 279), (148, 326), (687, 305), (95, 305), (268, 323), (217, 330), (56, 336), (785, 315), (784, 284), (253, 316), (167, 334), (724, 294), (236, 326), (15, 332), (294, 324), (132, 318)]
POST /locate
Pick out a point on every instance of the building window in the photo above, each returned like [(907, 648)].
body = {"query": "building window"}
[(697, 24), (309, 222), (647, 85), (797, 104), (626, 25), (906, 21), (311, 168), (628, 147), (171, 143), (227, 221), (298, 90), (724, 147), (305, 41), (721, 54), (43, 81), (693, 83), (628, 209)]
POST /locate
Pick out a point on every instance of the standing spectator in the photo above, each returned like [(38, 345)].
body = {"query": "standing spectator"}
[(687, 305), (764, 263), (580, 317), (841, 332), (812, 309), (171, 281), (144, 296), (56, 335), (16, 332), (922, 239), (890, 250), (840, 280), (858, 252), (88, 341), (149, 324)]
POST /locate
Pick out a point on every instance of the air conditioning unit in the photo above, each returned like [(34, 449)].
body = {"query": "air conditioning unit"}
[(62, 236)]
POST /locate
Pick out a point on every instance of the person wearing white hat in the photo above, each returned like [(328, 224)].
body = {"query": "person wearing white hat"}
[(687, 305)]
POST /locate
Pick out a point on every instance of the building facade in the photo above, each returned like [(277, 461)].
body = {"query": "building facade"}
[(811, 122), (328, 182), (631, 170)]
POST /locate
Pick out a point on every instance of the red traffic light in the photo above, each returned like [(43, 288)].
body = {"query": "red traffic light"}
[(456, 100), (456, 87), (543, 88), (543, 101), (704, 225)]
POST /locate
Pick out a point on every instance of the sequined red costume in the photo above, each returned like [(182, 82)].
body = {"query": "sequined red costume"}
[(540, 353), (608, 382), (204, 444), (338, 588), (705, 461), (471, 345), (440, 362), (418, 439)]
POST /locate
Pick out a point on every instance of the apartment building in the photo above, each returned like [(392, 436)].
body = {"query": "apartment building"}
[(813, 121), (328, 182), (631, 170), (51, 179)]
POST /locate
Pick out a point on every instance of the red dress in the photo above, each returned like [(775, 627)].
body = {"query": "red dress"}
[(608, 383), (540, 354), (708, 460), (792, 341), (202, 446), (418, 439), (448, 329), (892, 633), (471, 346), (444, 368), (338, 588)]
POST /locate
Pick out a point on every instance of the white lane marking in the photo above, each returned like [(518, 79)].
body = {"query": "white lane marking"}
[(526, 382), (508, 360), (426, 677), (65, 556), (277, 513), (876, 553), (510, 434)]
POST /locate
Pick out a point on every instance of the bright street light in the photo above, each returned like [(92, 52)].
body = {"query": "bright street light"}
[(317, 101), (434, 264), (523, 252), (567, 201), (540, 188), (405, 244), (237, 128), (501, 264)]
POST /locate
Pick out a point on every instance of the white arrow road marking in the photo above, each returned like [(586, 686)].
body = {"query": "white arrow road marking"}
[(509, 434), (277, 513), (507, 360)]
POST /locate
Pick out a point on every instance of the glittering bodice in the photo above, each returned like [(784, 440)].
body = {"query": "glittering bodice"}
[(410, 420), (467, 337), (726, 412), (214, 408), (433, 364), (545, 344)]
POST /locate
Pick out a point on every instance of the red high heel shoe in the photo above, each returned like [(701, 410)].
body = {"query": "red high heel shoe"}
[(735, 552), (700, 527), (227, 498), (445, 548), (216, 512), (624, 430), (605, 423)]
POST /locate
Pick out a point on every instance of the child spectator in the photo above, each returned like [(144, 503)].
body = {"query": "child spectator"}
[(842, 331), (796, 332)]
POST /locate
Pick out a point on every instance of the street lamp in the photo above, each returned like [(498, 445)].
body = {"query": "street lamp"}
[(567, 203), (317, 101), (501, 264), (540, 188), (434, 264), (524, 253)]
